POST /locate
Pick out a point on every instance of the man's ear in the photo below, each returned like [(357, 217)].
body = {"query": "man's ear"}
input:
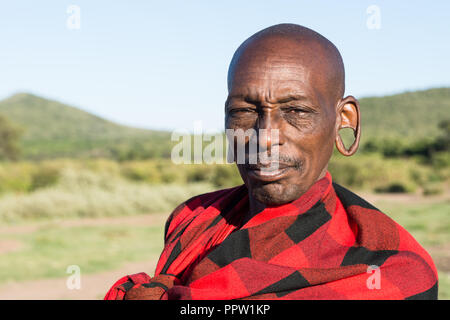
[(348, 117)]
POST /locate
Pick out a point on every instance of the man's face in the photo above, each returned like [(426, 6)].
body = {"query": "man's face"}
[(272, 89)]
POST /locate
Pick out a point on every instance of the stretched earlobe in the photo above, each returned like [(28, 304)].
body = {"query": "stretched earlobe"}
[(350, 118)]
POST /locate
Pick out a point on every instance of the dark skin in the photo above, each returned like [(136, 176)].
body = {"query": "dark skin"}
[(289, 78)]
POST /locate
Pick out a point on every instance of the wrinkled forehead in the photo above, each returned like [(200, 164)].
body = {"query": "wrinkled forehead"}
[(280, 64), (270, 75)]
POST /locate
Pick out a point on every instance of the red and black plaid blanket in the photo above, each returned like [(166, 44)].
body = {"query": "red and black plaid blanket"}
[(328, 244)]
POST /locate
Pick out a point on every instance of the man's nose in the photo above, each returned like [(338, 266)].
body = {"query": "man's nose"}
[(268, 129)]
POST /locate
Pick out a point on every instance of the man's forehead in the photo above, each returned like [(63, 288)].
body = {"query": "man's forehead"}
[(272, 91), (277, 72), (272, 77), (303, 60), (276, 52), (271, 67)]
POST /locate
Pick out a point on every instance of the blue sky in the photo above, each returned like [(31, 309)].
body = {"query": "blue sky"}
[(163, 64)]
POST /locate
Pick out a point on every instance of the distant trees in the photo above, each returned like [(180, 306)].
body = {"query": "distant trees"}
[(427, 148), (9, 140)]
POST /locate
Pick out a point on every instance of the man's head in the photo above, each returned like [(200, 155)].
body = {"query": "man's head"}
[(289, 78)]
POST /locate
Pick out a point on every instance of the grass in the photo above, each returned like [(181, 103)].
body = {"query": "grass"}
[(444, 286), (50, 248), (88, 194), (104, 188), (429, 223), (363, 171), (48, 251)]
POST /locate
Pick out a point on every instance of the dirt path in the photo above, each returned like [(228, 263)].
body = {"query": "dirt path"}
[(405, 198), (93, 286)]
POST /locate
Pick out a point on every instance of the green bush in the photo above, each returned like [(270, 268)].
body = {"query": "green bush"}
[(200, 173), (373, 172), (395, 187), (141, 171), (84, 193), (44, 177), (363, 171), (226, 176), (432, 189), (441, 160), (15, 177)]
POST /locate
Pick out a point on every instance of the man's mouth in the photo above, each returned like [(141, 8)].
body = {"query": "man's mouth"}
[(271, 172)]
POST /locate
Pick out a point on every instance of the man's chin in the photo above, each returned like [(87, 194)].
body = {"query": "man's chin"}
[(273, 194)]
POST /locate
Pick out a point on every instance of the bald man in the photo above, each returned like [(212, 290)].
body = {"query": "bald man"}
[(289, 232)]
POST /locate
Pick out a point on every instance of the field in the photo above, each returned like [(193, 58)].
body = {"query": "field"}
[(37, 254), (92, 193), (108, 219)]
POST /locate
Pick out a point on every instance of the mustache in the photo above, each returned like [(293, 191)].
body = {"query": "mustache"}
[(283, 161)]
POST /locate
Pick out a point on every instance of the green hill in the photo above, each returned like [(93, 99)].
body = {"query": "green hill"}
[(406, 116), (53, 129)]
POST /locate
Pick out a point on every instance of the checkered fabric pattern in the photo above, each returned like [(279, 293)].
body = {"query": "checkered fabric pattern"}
[(328, 244)]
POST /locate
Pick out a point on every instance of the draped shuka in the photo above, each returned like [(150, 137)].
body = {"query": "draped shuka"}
[(327, 244)]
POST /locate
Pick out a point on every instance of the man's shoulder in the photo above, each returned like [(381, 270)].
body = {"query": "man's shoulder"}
[(185, 209), (203, 200), (379, 233), (349, 198)]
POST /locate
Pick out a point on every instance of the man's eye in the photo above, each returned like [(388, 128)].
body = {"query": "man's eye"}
[(295, 110), (241, 110)]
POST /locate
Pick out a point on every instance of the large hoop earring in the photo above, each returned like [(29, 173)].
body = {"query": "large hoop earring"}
[(357, 134)]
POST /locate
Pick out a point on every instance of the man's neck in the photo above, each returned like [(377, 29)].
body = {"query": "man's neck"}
[(256, 206)]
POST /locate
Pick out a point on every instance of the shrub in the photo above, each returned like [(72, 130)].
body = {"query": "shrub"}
[(84, 193), (141, 171), (43, 178), (200, 173), (15, 177), (395, 187), (432, 189), (372, 172), (441, 160), (226, 176)]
